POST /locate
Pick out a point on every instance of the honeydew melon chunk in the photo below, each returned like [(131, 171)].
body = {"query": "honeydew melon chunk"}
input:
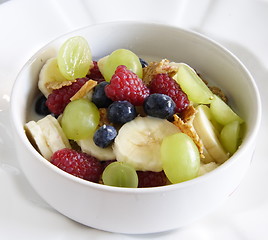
[(230, 136), (195, 88), (222, 112)]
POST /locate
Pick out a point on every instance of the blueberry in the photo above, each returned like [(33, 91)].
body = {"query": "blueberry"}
[(99, 97), (121, 112), (41, 107), (159, 105), (104, 136), (143, 63)]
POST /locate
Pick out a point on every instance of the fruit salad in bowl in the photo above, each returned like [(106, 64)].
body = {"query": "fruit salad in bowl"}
[(130, 122), (144, 127)]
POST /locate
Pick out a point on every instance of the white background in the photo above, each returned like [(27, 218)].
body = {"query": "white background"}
[(27, 25)]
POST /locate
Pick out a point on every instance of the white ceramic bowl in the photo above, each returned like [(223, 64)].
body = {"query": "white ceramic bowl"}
[(140, 210)]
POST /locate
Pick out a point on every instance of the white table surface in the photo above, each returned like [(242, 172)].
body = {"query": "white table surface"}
[(26, 25)]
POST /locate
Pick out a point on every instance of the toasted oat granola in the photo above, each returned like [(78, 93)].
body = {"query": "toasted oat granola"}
[(185, 124), (84, 90), (154, 68)]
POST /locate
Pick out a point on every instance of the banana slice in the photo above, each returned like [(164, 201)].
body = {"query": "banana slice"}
[(207, 167), (207, 157), (138, 142), (88, 146), (208, 134), (50, 77), (37, 138), (60, 131), (53, 133)]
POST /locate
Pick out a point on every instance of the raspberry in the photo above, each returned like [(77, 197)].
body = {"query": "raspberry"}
[(78, 164), (59, 98), (125, 85), (164, 84), (151, 179), (95, 74)]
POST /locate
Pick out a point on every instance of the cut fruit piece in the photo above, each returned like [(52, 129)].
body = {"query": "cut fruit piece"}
[(101, 63), (208, 158), (222, 112), (59, 130), (207, 167), (180, 157), (74, 58), (120, 57), (138, 142), (230, 136), (196, 90), (37, 138), (120, 174), (51, 78), (207, 132), (53, 133), (80, 119), (88, 146), (207, 112)]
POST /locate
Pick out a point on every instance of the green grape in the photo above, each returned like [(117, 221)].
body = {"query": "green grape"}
[(80, 119), (222, 112), (74, 58), (230, 136), (120, 174), (101, 63), (180, 157), (196, 90), (120, 57)]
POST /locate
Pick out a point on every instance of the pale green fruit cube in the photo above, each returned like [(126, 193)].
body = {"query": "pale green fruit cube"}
[(230, 136), (222, 112), (195, 88)]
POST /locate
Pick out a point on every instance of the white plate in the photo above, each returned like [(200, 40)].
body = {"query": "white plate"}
[(26, 25)]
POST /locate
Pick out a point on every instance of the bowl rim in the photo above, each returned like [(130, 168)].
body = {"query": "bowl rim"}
[(246, 142)]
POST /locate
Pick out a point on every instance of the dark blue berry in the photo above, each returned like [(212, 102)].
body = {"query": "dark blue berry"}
[(41, 107), (104, 136), (121, 112), (143, 63), (159, 105), (99, 97)]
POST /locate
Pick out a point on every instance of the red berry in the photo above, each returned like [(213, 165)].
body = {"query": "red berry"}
[(164, 84), (151, 179), (95, 73), (126, 85), (59, 98), (78, 164)]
